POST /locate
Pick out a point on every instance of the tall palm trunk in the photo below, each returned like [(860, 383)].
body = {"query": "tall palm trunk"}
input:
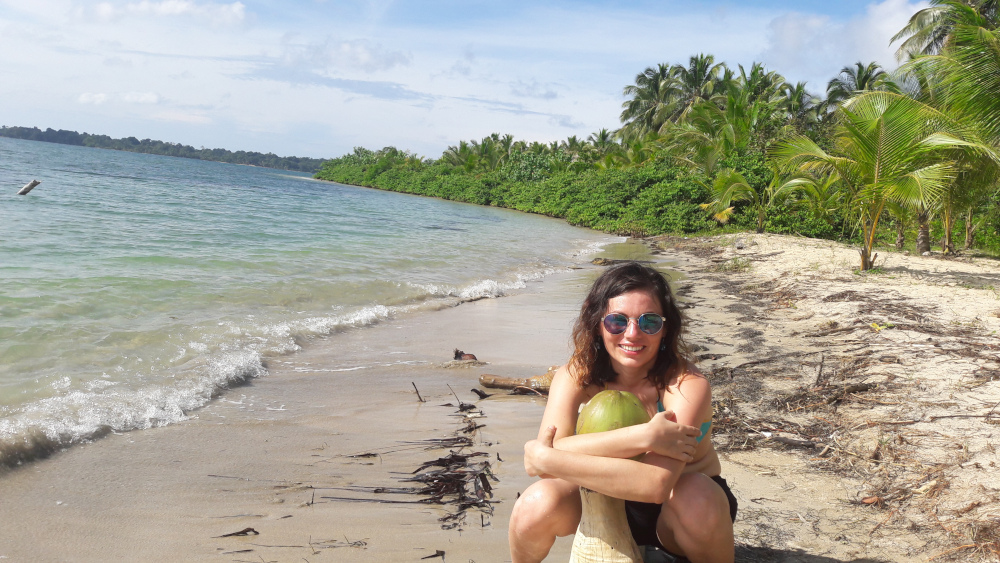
[(947, 246), (970, 230), (900, 235), (867, 259), (923, 231)]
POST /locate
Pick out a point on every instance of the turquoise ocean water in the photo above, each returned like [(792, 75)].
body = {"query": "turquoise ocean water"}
[(135, 288)]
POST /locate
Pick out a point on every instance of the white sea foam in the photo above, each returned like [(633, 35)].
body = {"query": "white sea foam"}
[(131, 322), (78, 416), (595, 247)]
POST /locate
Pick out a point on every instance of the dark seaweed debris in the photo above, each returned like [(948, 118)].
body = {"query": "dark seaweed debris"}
[(459, 481)]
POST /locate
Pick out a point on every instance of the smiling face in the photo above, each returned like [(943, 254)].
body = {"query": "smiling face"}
[(633, 351)]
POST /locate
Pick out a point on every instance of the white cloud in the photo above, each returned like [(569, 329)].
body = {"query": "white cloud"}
[(532, 89), (141, 97), (213, 13), (815, 47), (95, 99), (218, 73), (357, 55)]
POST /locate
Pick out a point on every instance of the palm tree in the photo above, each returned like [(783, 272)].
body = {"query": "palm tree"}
[(963, 80), (820, 195), (668, 93), (760, 83), (749, 119), (802, 108), (976, 182), (700, 81), (930, 29), (649, 95), (894, 149), (462, 156), (603, 141), (860, 78), (731, 186), (574, 147)]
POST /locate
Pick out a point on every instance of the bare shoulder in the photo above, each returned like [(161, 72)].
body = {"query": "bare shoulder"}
[(565, 383), (565, 397), (692, 384)]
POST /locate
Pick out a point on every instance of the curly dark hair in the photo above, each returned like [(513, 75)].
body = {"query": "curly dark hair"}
[(590, 363)]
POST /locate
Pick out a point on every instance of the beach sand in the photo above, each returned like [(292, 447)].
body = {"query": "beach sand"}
[(264, 454), (269, 454)]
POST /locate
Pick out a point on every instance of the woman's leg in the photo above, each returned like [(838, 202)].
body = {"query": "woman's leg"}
[(547, 509), (695, 522)]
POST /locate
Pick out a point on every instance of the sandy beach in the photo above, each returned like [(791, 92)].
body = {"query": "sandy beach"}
[(854, 417)]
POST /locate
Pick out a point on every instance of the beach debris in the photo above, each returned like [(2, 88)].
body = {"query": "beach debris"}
[(462, 406), (28, 187), (460, 355), (537, 383), (243, 532), (613, 261), (459, 480), (438, 553), (418, 392), (481, 394)]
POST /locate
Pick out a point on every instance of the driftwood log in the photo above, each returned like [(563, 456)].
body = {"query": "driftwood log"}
[(540, 383), (460, 355), (28, 187)]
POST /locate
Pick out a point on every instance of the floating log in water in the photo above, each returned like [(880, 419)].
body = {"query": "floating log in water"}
[(28, 187)]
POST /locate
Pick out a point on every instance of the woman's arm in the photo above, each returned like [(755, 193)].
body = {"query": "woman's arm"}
[(661, 435), (690, 397), (650, 480)]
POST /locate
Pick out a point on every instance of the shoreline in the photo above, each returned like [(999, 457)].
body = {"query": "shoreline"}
[(910, 456), (260, 455)]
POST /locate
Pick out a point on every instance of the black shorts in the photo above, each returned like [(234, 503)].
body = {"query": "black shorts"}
[(642, 516)]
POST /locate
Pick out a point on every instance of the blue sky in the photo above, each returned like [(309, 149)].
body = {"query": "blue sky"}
[(318, 77)]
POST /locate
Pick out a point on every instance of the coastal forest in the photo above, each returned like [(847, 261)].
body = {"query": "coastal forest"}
[(907, 159), (149, 146)]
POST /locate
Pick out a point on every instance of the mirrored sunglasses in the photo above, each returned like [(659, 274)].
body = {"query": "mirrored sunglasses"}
[(617, 323)]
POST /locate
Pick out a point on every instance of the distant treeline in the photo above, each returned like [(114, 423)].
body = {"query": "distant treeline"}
[(150, 146)]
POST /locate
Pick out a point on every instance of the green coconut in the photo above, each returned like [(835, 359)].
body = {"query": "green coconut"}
[(603, 535), (611, 410)]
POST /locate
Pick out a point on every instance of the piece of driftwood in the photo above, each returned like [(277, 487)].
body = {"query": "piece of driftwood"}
[(796, 443), (460, 355), (28, 187), (539, 383), (243, 532), (613, 261)]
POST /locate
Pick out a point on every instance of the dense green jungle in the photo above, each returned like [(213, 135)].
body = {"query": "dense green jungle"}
[(906, 159)]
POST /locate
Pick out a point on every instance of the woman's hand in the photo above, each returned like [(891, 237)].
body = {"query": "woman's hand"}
[(535, 451), (670, 439)]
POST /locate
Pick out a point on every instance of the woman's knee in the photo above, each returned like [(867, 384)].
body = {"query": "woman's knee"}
[(698, 506), (551, 506)]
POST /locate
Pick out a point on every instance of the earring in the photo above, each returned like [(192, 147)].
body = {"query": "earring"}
[(663, 345), (598, 345)]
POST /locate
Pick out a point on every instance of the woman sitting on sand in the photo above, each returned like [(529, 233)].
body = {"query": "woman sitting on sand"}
[(627, 338)]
